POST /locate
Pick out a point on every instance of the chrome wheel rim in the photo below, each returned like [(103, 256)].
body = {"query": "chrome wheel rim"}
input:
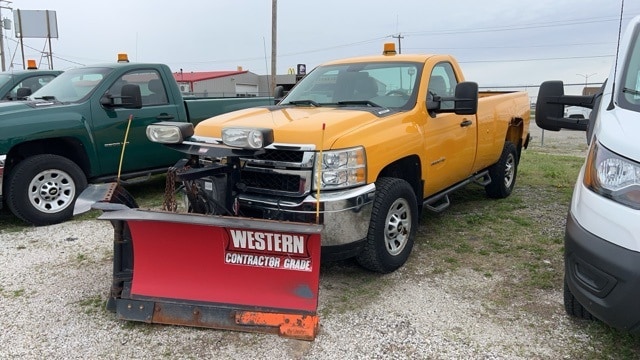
[(51, 191), (398, 227), (509, 171)]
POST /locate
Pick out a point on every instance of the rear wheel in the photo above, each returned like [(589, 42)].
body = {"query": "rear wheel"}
[(42, 189), (573, 307), (503, 173), (392, 227)]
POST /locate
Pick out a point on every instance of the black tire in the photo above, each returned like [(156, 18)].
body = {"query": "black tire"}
[(42, 189), (392, 228), (573, 307), (503, 173)]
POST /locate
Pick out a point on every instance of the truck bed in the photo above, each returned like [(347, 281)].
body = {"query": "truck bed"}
[(199, 109), (496, 110)]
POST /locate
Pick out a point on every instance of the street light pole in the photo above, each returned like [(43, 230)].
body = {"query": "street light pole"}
[(4, 4), (586, 78), (274, 45)]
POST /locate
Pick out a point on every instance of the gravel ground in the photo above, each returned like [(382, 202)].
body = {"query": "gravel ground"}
[(55, 279)]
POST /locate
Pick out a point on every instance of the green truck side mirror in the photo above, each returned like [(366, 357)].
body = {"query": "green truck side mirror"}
[(130, 98)]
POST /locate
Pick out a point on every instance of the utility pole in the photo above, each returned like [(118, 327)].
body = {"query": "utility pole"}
[(399, 36), (274, 45), (3, 6)]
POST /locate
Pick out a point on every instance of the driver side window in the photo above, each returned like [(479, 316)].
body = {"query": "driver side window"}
[(151, 86), (442, 83)]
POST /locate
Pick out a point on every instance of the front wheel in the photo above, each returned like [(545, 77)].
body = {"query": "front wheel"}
[(503, 173), (43, 188), (392, 228)]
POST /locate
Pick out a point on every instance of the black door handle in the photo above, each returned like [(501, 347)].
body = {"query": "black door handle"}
[(165, 117), (466, 122)]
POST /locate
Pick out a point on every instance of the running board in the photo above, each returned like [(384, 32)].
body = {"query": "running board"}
[(483, 179), (438, 205), (440, 201)]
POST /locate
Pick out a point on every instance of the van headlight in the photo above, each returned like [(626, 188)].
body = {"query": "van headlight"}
[(613, 176), (341, 169)]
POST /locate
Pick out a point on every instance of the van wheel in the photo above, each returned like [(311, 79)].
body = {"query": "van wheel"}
[(42, 189), (573, 307), (503, 173), (392, 228)]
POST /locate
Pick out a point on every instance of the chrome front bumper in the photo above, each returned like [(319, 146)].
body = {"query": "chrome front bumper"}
[(345, 214)]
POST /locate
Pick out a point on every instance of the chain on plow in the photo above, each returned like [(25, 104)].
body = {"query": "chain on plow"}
[(169, 203)]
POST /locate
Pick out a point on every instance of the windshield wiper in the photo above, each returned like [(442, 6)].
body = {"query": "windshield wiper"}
[(46, 98), (304, 102), (631, 91), (359, 102)]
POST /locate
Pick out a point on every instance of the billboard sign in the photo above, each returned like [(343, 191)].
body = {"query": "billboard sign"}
[(35, 24)]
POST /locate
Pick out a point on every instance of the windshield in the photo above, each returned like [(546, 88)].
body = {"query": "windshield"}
[(386, 84), (4, 78), (629, 98), (72, 85)]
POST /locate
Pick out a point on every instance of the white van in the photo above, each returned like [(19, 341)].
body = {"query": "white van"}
[(602, 238)]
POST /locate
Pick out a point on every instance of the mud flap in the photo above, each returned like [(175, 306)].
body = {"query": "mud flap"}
[(216, 272)]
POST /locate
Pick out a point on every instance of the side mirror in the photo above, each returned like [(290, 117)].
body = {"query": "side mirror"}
[(22, 93), (278, 94), (130, 98), (548, 113), (466, 99), (550, 107)]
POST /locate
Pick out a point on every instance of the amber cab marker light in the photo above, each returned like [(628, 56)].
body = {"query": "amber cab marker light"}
[(122, 57), (389, 49)]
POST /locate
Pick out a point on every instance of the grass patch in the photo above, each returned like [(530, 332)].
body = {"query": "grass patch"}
[(352, 285), (514, 233), (520, 239), (12, 293), (92, 305)]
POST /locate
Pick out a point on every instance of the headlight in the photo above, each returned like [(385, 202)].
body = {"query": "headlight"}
[(613, 176), (341, 169), (247, 138), (169, 132)]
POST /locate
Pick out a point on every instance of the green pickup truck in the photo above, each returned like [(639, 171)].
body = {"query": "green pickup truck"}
[(71, 132)]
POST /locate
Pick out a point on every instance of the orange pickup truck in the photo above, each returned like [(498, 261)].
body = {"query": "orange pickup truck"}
[(361, 146)]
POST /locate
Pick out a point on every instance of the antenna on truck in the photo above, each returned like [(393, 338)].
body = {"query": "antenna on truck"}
[(615, 66)]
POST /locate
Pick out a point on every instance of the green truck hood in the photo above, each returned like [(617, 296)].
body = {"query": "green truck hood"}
[(10, 107), (23, 121), (294, 125)]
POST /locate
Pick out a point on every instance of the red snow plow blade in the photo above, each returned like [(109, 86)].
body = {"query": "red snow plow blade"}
[(217, 272)]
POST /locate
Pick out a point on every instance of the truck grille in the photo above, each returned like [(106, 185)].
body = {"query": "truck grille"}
[(279, 172), (282, 155), (263, 182)]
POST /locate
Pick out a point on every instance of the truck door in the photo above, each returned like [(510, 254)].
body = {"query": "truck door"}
[(450, 139), (110, 125)]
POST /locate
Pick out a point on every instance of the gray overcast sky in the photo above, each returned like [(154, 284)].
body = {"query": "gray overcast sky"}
[(497, 42)]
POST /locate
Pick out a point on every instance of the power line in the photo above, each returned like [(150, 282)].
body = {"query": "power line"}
[(536, 59), (512, 47)]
